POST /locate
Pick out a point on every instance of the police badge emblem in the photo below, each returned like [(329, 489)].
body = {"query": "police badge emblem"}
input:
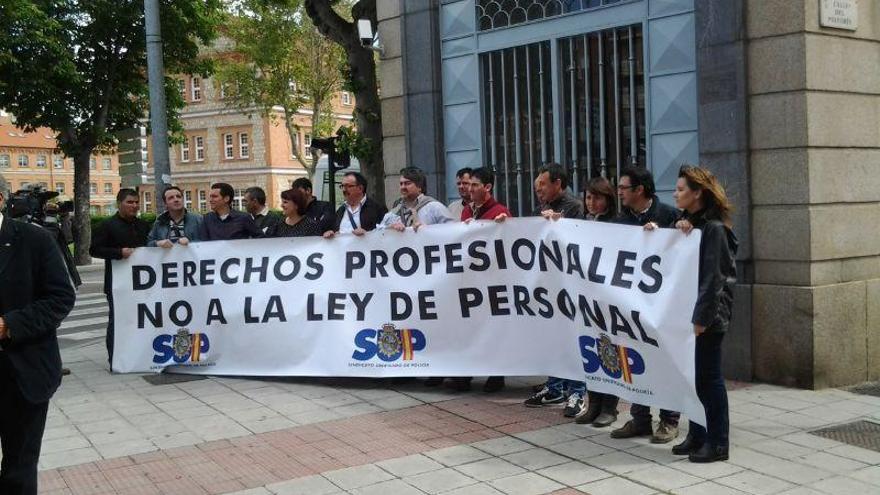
[(609, 354), (389, 341), (182, 344)]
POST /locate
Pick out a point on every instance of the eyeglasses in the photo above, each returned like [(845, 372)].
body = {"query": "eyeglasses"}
[(622, 187), (347, 186)]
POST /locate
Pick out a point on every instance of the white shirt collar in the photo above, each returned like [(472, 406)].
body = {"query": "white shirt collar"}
[(358, 207), (1, 219), (264, 211)]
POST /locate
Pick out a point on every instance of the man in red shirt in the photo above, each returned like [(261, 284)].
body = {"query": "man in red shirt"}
[(483, 206)]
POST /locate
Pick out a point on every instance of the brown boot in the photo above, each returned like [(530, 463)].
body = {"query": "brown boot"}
[(632, 429), (589, 414)]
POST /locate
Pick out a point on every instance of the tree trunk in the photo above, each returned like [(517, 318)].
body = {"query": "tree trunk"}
[(367, 110), (368, 118), (82, 225)]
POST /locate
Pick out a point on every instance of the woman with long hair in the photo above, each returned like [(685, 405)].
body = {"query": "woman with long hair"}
[(600, 202), (705, 206), (295, 223)]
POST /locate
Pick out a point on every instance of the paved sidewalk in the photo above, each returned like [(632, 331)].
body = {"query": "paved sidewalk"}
[(120, 434)]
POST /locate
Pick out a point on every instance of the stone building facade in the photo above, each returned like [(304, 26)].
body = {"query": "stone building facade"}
[(229, 145), (785, 110), (33, 158)]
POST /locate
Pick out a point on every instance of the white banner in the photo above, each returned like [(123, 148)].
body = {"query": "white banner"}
[(572, 299)]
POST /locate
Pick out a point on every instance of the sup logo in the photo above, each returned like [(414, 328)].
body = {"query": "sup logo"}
[(389, 343), (182, 347), (616, 361)]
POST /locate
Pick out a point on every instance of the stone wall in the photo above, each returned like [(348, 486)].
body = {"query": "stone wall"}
[(409, 75), (814, 119)]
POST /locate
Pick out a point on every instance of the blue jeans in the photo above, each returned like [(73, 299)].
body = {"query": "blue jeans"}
[(711, 390), (562, 385)]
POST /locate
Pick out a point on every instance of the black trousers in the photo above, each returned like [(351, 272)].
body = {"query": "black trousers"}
[(110, 331), (712, 392), (21, 434)]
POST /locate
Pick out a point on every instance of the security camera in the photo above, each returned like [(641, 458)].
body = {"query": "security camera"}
[(365, 32), (368, 39)]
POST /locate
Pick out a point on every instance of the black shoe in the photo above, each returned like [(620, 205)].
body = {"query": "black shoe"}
[(544, 398), (493, 384), (709, 453), (65, 371), (588, 414), (434, 381), (688, 446), (462, 383)]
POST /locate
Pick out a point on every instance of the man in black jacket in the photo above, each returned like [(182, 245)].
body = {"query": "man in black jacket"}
[(640, 206), (115, 239), (319, 211), (255, 204), (36, 294), (358, 214)]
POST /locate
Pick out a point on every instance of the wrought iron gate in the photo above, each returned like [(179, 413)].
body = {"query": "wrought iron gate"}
[(593, 109)]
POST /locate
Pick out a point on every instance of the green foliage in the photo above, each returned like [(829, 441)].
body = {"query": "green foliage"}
[(279, 59), (79, 67), (355, 143), (97, 220)]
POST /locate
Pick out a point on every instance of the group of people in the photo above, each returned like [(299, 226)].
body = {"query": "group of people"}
[(701, 204)]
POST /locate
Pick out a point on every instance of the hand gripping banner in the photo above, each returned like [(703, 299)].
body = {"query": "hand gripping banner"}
[(591, 301)]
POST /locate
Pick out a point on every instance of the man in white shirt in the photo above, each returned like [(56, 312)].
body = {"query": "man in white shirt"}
[(463, 183), (358, 214), (414, 208)]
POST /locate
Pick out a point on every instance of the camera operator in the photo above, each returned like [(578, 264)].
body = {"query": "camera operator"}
[(35, 297), (116, 239)]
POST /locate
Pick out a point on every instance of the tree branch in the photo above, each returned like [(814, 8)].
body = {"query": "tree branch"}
[(331, 24)]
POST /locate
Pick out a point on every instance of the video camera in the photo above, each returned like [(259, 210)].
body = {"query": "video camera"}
[(30, 205)]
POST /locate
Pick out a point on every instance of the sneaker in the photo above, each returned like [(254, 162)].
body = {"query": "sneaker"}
[(545, 397), (665, 432), (632, 429), (573, 405)]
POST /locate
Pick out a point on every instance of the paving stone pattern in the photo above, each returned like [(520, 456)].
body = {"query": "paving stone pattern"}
[(118, 434)]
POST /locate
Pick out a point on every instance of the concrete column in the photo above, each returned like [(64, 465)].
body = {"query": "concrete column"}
[(814, 118)]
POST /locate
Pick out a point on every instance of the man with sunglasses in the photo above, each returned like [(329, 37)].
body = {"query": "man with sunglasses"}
[(358, 213), (640, 206), (176, 225)]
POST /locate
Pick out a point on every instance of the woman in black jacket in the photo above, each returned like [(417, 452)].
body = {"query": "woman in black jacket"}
[(705, 206), (600, 203)]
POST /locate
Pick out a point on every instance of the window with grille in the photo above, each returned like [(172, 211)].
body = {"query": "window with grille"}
[(307, 145), (598, 120), (93, 163), (199, 142), (238, 199), (108, 188), (495, 14), (147, 203), (196, 85), (106, 163), (93, 188), (184, 150), (187, 199), (23, 161), (59, 187), (203, 201), (228, 147), (244, 147), (42, 160), (58, 161), (4, 161)]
